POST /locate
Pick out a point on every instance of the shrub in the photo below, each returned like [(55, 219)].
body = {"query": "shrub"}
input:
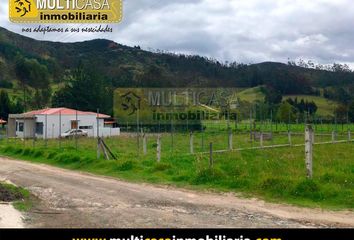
[(238, 183), (125, 166), (27, 152), (86, 160), (276, 186), (67, 158), (308, 189), (37, 153), (162, 166), (207, 176), (9, 149), (181, 178), (52, 155), (18, 151)]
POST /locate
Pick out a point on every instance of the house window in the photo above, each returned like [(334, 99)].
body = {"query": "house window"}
[(86, 127), (20, 127), (39, 128)]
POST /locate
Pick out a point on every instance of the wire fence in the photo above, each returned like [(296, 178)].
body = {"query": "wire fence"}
[(224, 135)]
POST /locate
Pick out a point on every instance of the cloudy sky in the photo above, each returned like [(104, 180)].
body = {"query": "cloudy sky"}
[(246, 31)]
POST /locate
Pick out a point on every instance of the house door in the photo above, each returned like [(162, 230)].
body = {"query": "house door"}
[(74, 124)]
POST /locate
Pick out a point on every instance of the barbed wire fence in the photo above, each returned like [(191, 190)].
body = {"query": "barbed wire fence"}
[(249, 131)]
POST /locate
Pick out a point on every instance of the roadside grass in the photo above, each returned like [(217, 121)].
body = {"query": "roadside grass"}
[(276, 127), (277, 175), (20, 197)]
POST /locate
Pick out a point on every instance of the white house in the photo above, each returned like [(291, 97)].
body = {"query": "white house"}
[(52, 122)]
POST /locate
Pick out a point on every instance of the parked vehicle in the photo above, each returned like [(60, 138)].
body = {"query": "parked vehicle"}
[(74, 133)]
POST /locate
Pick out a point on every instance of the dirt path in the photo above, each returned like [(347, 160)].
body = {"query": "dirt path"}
[(10, 217), (73, 199)]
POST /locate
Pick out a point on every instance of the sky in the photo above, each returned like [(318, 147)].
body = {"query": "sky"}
[(247, 31)]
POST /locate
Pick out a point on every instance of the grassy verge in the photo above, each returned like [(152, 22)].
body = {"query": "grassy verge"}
[(276, 175), (19, 196)]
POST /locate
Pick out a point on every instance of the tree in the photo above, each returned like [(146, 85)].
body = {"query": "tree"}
[(311, 107), (5, 105), (35, 75), (341, 113), (351, 112), (85, 90), (286, 112), (272, 96)]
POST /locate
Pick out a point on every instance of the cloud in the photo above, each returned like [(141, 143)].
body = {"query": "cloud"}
[(232, 30)]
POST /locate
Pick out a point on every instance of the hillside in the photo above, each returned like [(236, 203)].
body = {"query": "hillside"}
[(120, 62), (325, 106), (123, 66)]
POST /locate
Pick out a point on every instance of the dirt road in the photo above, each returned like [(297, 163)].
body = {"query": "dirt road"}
[(73, 199)]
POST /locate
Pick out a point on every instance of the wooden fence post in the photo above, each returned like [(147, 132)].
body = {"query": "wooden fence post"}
[(191, 142), (144, 144), (261, 140), (211, 160), (289, 138), (349, 136), (333, 136), (159, 148), (230, 140), (309, 150)]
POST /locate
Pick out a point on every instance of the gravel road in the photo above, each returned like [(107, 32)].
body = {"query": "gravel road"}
[(75, 199)]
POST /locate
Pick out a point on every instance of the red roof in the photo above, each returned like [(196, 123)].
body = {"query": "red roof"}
[(63, 111)]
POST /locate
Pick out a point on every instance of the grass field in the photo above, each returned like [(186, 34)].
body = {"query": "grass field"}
[(325, 107), (273, 174), (251, 94)]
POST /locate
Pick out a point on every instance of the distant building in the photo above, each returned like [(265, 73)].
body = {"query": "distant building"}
[(53, 122)]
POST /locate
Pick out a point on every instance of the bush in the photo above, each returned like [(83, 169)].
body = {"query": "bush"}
[(37, 153), (277, 186), (9, 149), (18, 151), (52, 155), (27, 152), (86, 160), (6, 84), (239, 183), (125, 166), (66, 158), (207, 176), (162, 167), (308, 189), (181, 178)]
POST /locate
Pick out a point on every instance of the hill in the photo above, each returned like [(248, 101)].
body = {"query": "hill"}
[(124, 66), (325, 106)]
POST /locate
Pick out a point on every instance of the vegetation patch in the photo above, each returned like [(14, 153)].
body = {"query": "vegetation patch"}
[(277, 174), (19, 196), (125, 166)]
